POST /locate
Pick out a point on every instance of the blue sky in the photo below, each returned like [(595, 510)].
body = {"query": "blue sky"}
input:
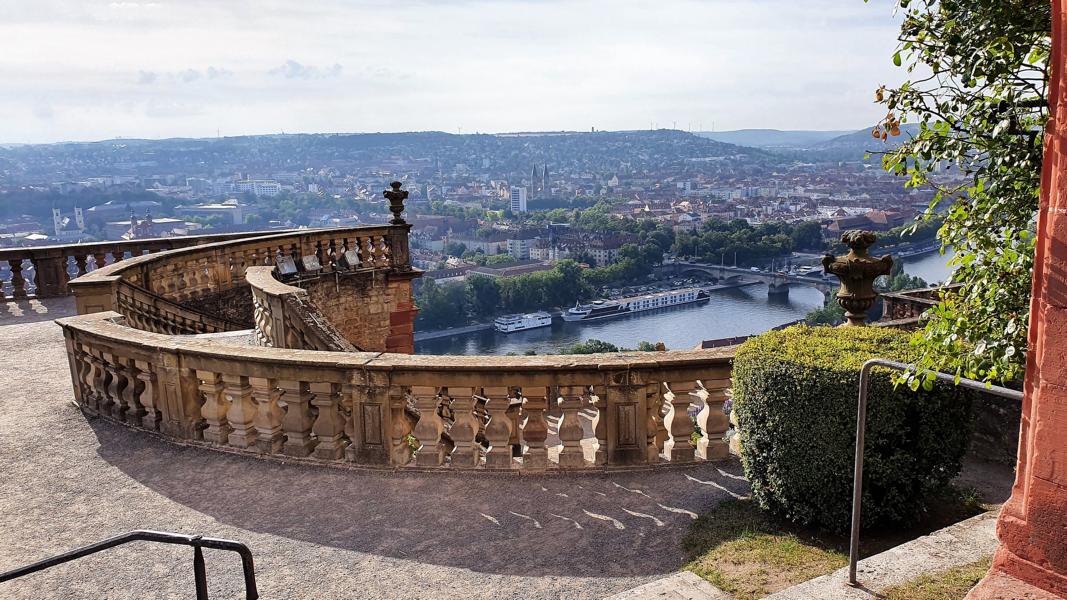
[(89, 69)]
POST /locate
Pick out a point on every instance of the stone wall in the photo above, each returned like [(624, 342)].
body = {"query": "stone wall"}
[(234, 305), (374, 311)]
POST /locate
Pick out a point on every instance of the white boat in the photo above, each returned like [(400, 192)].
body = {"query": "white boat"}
[(510, 323), (603, 309)]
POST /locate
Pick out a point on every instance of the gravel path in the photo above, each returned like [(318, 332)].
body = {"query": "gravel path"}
[(315, 532)]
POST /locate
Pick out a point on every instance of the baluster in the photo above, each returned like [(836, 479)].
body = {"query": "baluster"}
[(99, 259), (81, 365), (151, 417), (383, 251), (131, 395), (296, 397), (93, 378), (241, 411), (116, 386), (535, 430), (498, 429), (329, 426), (570, 427), (320, 255), (600, 425), (331, 255), (678, 400), (654, 424), (514, 414), (402, 425), (215, 407), (429, 427), (18, 282), (80, 261), (268, 419), (713, 421), (357, 246), (369, 258), (464, 430)]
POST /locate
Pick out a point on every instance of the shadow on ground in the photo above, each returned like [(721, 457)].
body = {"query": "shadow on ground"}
[(627, 524)]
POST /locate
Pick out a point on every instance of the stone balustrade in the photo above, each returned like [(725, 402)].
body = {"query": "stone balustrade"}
[(44, 271), (560, 413), (184, 276), (150, 312), (286, 318)]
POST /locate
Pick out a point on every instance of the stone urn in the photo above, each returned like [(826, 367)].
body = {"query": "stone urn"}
[(396, 197), (857, 271)]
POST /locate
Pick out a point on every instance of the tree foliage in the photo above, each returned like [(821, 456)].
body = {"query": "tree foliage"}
[(978, 85)]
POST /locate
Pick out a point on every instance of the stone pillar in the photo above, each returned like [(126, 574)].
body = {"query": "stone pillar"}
[(95, 295), (1033, 523), (50, 273)]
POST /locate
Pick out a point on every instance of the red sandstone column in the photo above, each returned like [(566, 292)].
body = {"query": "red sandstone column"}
[(1033, 523)]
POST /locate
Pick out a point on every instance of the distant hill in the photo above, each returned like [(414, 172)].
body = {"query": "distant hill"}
[(772, 138), (420, 153)]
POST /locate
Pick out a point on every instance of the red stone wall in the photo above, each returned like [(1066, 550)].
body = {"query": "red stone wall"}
[(1033, 524)]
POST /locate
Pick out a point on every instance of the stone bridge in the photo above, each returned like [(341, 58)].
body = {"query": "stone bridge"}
[(777, 283)]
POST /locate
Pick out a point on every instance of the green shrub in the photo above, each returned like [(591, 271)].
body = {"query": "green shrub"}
[(795, 396)]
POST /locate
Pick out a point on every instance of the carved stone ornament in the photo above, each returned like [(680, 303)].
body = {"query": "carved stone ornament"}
[(857, 271), (396, 197)]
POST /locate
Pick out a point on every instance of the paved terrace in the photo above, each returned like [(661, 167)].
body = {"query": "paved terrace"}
[(316, 532)]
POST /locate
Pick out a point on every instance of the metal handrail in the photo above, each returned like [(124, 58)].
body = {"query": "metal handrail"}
[(861, 426), (196, 541)]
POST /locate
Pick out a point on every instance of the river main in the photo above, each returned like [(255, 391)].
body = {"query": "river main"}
[(729, 313)]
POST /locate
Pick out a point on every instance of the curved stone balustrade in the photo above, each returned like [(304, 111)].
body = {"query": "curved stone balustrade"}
[(402, 411), (215, 272), (44, 271), (286, 318)]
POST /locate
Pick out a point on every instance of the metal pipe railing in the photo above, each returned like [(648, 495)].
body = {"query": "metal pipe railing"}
[(196, 541), (861, 427)]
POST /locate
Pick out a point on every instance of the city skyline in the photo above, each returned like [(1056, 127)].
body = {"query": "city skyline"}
[(78, 71)]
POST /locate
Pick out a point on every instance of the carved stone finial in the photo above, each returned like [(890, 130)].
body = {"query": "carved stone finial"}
[(857, 271), (396, 197)]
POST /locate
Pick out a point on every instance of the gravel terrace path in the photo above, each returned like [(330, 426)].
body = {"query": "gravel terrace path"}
[(315, 532)]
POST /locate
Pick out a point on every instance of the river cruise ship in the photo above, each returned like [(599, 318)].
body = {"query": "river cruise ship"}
[(510, 323), (603, 309)]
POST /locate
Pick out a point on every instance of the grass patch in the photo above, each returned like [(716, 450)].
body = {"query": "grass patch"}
[(748, 553), (952, 584)]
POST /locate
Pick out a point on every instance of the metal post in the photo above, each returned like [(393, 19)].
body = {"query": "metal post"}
[(861, 426), (199, 573)]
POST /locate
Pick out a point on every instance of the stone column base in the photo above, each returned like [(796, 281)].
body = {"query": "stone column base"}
[(998, 585)]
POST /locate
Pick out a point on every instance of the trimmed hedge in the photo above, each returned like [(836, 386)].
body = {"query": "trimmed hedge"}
[(795, 396)]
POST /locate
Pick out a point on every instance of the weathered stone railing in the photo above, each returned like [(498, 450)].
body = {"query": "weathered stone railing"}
[(44, 271), (403, 411), (185, 276), (147, 311), (285, 317)]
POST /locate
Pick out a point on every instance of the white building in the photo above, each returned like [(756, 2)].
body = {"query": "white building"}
[(519, 249), (260, 187), (518, 199)]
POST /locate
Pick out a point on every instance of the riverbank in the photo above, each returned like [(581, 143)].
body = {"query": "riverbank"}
[(421, 336)]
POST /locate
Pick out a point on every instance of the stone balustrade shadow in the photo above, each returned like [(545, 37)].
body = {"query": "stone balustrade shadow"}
[(596, 525)]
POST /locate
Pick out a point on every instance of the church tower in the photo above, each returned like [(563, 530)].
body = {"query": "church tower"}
[(57, 221)]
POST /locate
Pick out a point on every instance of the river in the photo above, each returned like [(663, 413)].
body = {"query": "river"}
[(729, 313)]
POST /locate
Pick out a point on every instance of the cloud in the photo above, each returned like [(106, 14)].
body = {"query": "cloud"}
[(184, 76), (188, 75), (294, 70)]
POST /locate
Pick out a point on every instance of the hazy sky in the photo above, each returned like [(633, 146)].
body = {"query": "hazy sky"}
[(89, 69)]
